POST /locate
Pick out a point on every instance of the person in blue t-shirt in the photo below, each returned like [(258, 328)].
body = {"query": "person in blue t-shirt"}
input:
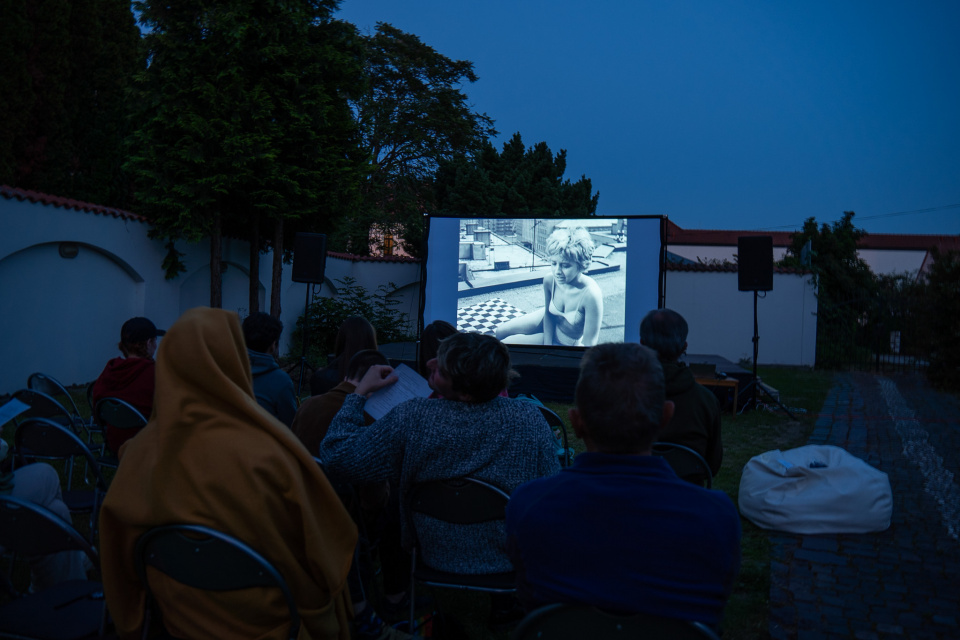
[(619, 530)]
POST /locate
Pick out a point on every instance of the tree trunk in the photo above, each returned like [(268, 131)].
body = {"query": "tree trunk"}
[(216, 271), (277, 268), (254, 305)]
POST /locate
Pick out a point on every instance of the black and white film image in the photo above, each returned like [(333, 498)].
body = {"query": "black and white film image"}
[(543, 281)]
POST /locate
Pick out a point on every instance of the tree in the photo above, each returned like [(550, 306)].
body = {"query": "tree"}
[(842, 281), (66, 69), (942, 309), (243, 123), (412, 116), (517, 183)]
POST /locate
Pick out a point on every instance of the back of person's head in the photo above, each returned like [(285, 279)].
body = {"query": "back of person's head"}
[(362, 361), (355, 334), (620, 396), (430, 340), (476, 365), (664, 331), (134, 336), (261, 330)]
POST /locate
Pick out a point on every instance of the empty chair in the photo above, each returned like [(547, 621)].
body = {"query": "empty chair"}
[(685, 462), (575, 622), (556, 424), (72, 609), (457, 501), (43, 405), (115, 415), (46, 439), (49, 385), (204, 558)]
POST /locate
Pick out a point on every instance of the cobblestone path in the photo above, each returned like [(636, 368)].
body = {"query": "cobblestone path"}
[(903, 582)]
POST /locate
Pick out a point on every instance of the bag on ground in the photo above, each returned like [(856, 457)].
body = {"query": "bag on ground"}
[(815, 489)]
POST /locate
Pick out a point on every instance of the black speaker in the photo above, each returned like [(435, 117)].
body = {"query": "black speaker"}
[(755, 263), (309, 257)]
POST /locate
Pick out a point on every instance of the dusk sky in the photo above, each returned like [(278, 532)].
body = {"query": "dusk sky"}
[(721, 114)]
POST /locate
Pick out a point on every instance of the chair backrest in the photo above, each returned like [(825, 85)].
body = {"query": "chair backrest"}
[(46, 439), (685, 462), (51, 386), (567, 621), (459, 500), (556, 422), (43, 405), (31, 530), (119, 414), (204, 558)]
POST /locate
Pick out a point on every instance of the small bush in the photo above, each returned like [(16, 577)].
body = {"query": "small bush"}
[(327, 314)]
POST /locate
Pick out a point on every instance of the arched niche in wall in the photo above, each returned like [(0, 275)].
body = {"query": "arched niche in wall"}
[(195, 288), (64, 303)]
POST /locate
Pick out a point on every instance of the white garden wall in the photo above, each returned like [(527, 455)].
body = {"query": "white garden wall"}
[(62, 316), (721, 317)]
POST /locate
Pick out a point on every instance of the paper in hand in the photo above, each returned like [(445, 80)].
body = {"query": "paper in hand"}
[(410, 385)]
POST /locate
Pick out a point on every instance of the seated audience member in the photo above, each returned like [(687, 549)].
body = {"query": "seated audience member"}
[(271, 384), (40, 484), (212, 456), (471, 431), (130, 378), (646, 541), (696, 419), (430, 339), (355, 334), (315, 414)]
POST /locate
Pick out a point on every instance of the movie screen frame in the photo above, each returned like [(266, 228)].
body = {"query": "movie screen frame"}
[(559, 283)]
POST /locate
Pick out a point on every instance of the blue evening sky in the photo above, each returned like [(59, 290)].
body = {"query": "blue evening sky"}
[(721, 114)]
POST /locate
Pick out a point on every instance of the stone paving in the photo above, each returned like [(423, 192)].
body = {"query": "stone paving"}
[(900, 583)]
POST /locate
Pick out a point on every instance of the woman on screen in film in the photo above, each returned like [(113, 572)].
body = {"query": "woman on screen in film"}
[(573, 303)]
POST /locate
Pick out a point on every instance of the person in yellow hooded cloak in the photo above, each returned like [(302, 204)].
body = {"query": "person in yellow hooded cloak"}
[(211, 455)]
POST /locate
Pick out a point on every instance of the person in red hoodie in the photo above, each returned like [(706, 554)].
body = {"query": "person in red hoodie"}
[(130, 378)]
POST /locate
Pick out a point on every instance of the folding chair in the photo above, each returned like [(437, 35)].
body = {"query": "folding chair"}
[(115, 413), (556, 423), (46, 439), (47, 384), (72, 609), (458, 501), (685, 462), (207, 559), (574, 622), (43, 405)]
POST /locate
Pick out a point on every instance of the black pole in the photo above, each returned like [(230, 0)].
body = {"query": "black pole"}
[(756, 347), (303, 341)]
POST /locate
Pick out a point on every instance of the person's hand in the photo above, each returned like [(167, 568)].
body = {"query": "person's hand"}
[(377, 377)]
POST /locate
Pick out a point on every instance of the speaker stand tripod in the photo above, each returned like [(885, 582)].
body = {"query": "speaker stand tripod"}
[(303, 341), (754, 386)]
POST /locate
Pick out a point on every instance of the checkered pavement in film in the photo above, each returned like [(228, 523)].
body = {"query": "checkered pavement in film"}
[(484, 317)]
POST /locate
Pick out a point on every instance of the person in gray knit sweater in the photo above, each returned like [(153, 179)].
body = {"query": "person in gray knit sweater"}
[(470, 431)]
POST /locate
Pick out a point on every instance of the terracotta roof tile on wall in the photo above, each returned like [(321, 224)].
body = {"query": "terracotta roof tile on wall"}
[(720, 237), (728, 238), (12, 193), (353, 258)]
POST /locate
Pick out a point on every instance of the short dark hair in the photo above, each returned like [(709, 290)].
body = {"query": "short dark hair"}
[(362, 361), (620, 396), (477, 365), (664, 331), (260, 330), (430, 339)]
